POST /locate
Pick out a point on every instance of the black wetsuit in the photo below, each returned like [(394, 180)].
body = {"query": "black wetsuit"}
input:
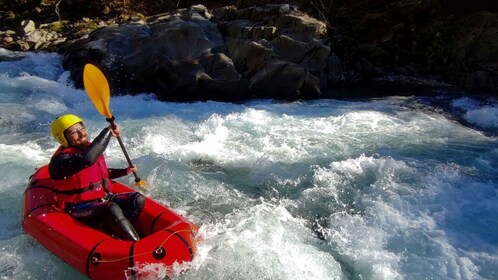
[(120, 209)]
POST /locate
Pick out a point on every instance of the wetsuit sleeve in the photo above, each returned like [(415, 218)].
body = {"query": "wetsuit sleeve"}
[(64, 165), (116, 173)]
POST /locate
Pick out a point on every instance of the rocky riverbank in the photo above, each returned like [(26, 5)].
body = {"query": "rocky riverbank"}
[(278, 51)]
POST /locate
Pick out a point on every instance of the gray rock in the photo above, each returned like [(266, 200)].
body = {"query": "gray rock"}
[(184, 55)]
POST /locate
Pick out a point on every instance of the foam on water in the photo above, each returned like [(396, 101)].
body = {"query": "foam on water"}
[(326, 189), (478, 112), (386, 219)]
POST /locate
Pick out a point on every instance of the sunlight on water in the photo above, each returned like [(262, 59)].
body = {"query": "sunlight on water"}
[(381, 189)]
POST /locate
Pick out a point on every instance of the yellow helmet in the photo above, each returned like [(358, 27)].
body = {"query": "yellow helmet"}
[(60, 124)]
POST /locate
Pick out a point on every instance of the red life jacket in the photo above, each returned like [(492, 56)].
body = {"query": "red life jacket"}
[(86, 185)]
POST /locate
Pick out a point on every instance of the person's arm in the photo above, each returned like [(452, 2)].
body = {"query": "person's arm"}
[(116, 173), (64, 165)]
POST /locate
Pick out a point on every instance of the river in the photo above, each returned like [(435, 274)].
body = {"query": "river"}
[(385, 188)]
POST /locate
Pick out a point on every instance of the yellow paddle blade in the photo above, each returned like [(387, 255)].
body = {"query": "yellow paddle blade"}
[(142, 185), (97, 88)]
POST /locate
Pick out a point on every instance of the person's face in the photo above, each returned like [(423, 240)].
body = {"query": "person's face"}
[(76, 135)]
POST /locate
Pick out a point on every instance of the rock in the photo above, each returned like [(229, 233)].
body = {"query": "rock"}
[(22, 45), (300, 27), (183, 55), (166, 56), (276, 67), (27, 26), (8, 39), (219, 66), (312, 55), (282, 80), (275, 51)]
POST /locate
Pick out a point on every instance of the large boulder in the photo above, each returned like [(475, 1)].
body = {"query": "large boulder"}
[(189, 54)]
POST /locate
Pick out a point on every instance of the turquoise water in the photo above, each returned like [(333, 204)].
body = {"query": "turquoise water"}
[(389, 188)]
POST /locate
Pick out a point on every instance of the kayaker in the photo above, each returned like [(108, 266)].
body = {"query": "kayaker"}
[(83, 180)]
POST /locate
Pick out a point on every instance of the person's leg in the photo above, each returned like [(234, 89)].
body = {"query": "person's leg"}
[(124, 227), (91, 213), (96, 213), (131, 203)]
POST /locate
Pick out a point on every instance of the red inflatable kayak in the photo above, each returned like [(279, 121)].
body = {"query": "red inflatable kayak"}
[(166, 237)]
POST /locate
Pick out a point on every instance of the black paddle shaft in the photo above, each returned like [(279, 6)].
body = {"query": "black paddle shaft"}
[(111, 121)]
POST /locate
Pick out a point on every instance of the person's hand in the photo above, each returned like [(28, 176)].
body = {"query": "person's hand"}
[(130, 169), (115, 130)]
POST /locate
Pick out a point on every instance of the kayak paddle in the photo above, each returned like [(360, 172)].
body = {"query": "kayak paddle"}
[(97, 88)]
